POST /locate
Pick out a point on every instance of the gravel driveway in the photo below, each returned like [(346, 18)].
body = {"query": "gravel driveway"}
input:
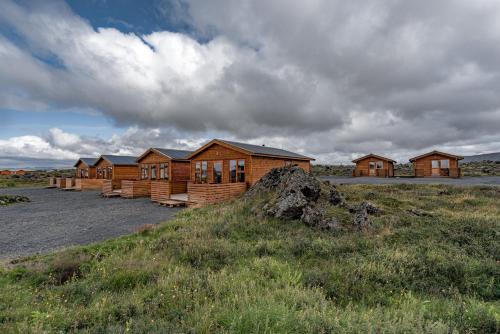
[(464, 181), (56, 219)]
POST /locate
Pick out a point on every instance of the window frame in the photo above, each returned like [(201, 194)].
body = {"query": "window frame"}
[(241, 172), (153, 171), (214, 176), (447, 163)]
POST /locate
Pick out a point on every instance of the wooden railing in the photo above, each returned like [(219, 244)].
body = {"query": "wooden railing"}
[(443, 172), (361, 172), (135, 188), (206, 193)]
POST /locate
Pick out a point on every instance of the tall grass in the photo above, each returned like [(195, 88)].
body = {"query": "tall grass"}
[(227, 269)]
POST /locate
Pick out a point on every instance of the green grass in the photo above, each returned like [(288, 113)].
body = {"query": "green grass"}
[(227, 269), (14, 182)]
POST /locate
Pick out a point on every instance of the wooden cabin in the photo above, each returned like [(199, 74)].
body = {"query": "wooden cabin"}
[(163, 172), (373, 165), (224, 169), (436, 164), (113, 169), (5, 172), (86, 175), (85, 168), (19, 172)]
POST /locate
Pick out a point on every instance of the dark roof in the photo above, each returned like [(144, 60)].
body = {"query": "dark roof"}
[(371, 155), (174, 154), (87, 161), (458, 157), (265, 150), (119, 159)]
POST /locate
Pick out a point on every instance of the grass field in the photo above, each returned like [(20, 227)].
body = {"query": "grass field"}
[(430, 263)]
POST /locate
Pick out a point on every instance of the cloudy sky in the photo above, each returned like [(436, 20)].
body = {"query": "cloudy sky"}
[(330, 79)]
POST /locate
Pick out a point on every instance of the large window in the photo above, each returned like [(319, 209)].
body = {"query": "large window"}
[(204, 172), (380, 165), (110, 173), (217, 172), (236, 171), (197, 172), (445, 163), (232, 171), (435, 163), (153, 172), (144, 172), (241, 170), (164, 171)]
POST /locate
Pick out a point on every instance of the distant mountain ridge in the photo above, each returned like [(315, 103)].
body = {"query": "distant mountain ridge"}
[(482, 157)]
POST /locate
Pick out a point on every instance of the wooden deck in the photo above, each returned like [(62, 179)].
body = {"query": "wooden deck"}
[(114, 193)]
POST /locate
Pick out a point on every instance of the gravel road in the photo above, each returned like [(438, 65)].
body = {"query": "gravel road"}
[(56, 219), (464, 181)]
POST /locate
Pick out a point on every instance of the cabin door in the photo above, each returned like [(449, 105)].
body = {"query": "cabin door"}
[(435, 170), (372, 171)]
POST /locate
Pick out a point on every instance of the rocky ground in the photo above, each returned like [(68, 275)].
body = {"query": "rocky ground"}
[(8, 199), (293, 194)]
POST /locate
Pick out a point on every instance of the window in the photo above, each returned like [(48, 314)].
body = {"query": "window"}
[(241, 170), (197, 172), (445, 163), (435, 163), (164, 171), (380, 164), (288, 163), (372, 165), (86, 172), (232, 171), (153, 172), (217, 172), (204, 172), (144, 172), (110, 173)]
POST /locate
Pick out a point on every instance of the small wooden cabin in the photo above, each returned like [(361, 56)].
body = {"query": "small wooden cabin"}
[(373, 165), (162, 171), (437, 164), (19, 172), (112, 169), (224, 169), (5, 172), (85, 168)]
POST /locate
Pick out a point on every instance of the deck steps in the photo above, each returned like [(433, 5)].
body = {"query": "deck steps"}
[(69, 189), (114, 193), (171, 203)]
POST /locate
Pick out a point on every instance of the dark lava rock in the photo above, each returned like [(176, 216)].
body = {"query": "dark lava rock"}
[(362, 218), (420, 213), (335, 197), (9, 199), (297, 196)]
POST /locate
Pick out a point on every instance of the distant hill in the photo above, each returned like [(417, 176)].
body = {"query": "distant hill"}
[(482, 157), (34, 163)]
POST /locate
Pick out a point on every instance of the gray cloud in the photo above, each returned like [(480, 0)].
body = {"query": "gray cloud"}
[(332, 78)]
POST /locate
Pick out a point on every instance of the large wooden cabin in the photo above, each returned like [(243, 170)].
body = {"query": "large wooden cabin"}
[(437, 164), (162, 172), (113, 169), (224, 169), (374, 165)]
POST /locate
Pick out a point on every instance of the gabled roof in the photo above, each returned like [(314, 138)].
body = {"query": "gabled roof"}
[(458, 157), (167, 152), (252, 150), (117, 159), (87, 161), (371, 155)]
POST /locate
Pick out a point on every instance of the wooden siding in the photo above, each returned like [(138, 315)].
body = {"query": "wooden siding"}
[(88, 184), (70, 182), (107, 186), (60, 182), (125, 173), (363, 168), (135, 188), (214, 193), (423, 167), (52, 181), (262, 165), (160, 191)]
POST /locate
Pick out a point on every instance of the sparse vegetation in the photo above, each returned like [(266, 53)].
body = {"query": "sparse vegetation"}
[(11, 199), (32, 178), (429, 263)]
